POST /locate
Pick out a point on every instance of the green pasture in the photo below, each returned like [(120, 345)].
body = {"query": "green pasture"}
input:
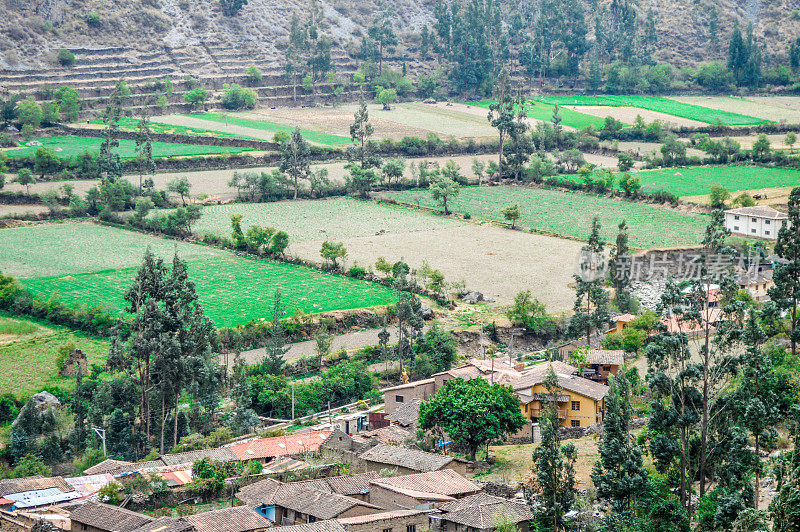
[(313, 136), (544, 111), (67, 147), (233, 290), (570, 214), (661, 105), (696, 180)]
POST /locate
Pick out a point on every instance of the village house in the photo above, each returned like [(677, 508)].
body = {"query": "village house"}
[(166, 524), (480, 513), (235, 519), (396, 396), (600, 363), (757, 284), (265, 450), (98, 517), (25, 520), (760, 221), (421, 490), (35, 492), (620, 322), (405, 460), (393, 521), (580, 401)]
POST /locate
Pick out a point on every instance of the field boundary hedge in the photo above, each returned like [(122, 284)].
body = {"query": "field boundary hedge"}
[(201, 140)]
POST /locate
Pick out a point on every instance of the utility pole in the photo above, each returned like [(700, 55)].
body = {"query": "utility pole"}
[(292, 401), (483, 351), (102, 434)]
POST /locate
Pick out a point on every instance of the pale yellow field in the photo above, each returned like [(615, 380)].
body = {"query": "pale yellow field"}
[(628, 115), (775, 108)]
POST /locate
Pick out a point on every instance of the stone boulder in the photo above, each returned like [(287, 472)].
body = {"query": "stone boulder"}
[(44, 400), (76, 359), (472, 297)]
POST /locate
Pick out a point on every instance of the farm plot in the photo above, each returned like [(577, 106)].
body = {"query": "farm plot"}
[(263, 125), (570, 214), (627, 115), (71, 146), (333, 218), (233, 290), (661, 105), (28, 355), (94, 265), (543, 111), (441, 120), (696, 180), (772, 108), (132, 124)]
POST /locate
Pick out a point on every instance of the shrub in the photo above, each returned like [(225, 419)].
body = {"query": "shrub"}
[(66, 57), (196, 97), (253, 75), (93, 19), (237, 97)]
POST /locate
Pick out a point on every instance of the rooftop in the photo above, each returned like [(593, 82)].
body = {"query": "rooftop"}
[(407, 385), (482, 511), (236, 519), (394, 455), (445, 482), (606, 356), (21, 485), (759, 211), (407, 413), (289, 444), (319, 503), (330, 525), (166, 524), (371, 518), (566, 381), (100, 515)]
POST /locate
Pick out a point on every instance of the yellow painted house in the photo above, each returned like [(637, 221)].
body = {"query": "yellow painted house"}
[(581, 402)]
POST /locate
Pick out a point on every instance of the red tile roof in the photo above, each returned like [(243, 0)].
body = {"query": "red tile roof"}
[(289, 444)]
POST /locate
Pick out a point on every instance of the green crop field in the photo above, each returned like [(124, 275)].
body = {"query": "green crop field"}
[(132, 124), (544, 111), (698, 180), (94, 265), (313, 136), (28, 361), (333, 218), (571, 214), (661, 105), (70, 146), (232, 289)]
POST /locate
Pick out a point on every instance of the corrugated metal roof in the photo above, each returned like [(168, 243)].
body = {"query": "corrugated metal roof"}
[(31, 499)]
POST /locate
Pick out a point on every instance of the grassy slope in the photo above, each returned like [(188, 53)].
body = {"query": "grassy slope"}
[(313, 136), (233, 290), (333, 218), (73, 146), (571, 214), (27, 361), (695, 180), (662, 105)]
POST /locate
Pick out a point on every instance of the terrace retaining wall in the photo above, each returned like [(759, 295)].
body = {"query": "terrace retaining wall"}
[(203, 140)]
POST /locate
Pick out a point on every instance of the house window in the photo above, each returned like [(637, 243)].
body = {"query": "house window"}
[(766, 232), (411, 528), (311, 519), (735, 227), (576, 405), (399, 399), (606, 368), (387, 530), (752, 230), (575, 423), (766, 222), (84, 527), (735, 217), (755, 219)]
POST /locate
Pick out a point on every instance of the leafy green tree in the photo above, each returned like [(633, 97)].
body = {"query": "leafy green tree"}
[(619, 475), (29, 466), (443, 189), (790, 140), (784, 508), (68, 103), (237, 97), (332, 252), (143, 148), (511, 213), (473, 412), (109, 160), (180, 186), (435, 351), (361, 180), (502, 113), (624, 163), (386, 97), (196, 97), (591, 299), (274, 362), (717, 196), (619, 272), (26, 179), (361, 131), (392, 170), (296, 159), (50, 113), (253, 75), (530, 313), (231, 8), (244, 418), (383, 34), (29, 113), (554, 463), (761, 148), (785, 294), (45, 161)]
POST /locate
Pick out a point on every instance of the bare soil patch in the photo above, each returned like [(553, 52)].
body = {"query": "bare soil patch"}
[(6, 210), (776, 108), (498, 262), (190, 121), (482, 112), (628, 115)]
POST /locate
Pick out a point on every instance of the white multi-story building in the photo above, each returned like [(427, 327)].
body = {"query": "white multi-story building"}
[(760, 221)]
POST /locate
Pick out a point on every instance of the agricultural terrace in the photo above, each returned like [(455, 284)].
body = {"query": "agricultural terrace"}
[(661, 105), (490, 259), (774, 108), (29, 355), (233, 289), (132, 124), (570, 214), (71, 146), (244, 124), (332, 218), (696, 180), (544, 111)]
